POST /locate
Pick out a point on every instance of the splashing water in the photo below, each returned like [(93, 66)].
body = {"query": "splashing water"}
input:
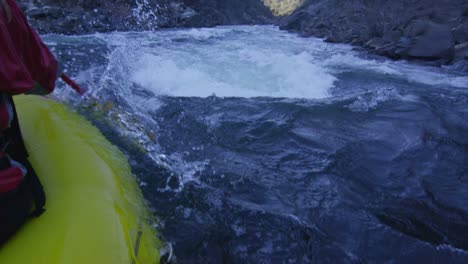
[(146, 14), (253, 144)]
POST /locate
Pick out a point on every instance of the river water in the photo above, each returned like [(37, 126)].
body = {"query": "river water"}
[(253, 145)]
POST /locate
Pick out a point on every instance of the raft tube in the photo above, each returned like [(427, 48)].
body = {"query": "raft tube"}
[(95, 212)]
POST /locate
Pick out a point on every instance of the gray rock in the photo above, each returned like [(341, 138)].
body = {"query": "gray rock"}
[(375, 43), (226, 12), (432, 42), (461, 51), (404, 42), (53, 15), (460, 33), (416, 28), (400, 29), (49, 12), (392, 35), (461, 46), (188, 13)]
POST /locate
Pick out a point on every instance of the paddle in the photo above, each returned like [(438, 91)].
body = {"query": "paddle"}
[(72, 84)]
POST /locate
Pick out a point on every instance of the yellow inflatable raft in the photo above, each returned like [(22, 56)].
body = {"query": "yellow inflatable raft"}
[(95, 211)]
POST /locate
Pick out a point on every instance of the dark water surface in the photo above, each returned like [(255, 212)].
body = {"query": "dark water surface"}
[(327, 156)]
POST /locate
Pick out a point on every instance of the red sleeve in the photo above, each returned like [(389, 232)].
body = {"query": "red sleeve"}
[(14, 76), (41, 62), (32, 62)]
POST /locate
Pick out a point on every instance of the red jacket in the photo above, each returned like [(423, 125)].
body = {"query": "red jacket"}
[(25, 60)]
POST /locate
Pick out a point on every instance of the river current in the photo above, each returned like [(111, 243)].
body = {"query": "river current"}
[(253, 145)]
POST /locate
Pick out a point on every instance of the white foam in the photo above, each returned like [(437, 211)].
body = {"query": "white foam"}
[(261, 62), (204, 33), (437, 79), (165, 77), (245, 73), (240, 61), (412, 73)]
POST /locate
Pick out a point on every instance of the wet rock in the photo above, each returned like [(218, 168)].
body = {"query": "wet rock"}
[(460, 33), (60, 16), (226, 12), (324, 19), (392, 35), (415, 30), (37, 13), (87, 16), (461, 51), (431, 41), (375, 43)]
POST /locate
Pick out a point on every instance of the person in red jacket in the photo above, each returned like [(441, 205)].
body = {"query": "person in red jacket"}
[(26, 66)]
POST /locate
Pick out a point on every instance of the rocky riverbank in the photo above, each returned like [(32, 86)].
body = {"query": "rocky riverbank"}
[(434, 31), (207, 13), (87, 16), (431, 31)]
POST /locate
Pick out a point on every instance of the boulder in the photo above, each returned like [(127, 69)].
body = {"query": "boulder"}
[(392, 35), (375, 43), (460, 33), (207, 13), (461, 51), (87, 16), (422, 30), (396, 49), (430, 41), (44, 12), (416, 28)]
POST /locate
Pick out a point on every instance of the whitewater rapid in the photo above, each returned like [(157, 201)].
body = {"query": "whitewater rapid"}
[(254, 144), (244, 61)]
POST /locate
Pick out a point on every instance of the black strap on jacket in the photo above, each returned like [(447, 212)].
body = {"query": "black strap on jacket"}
[(17, 151)]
